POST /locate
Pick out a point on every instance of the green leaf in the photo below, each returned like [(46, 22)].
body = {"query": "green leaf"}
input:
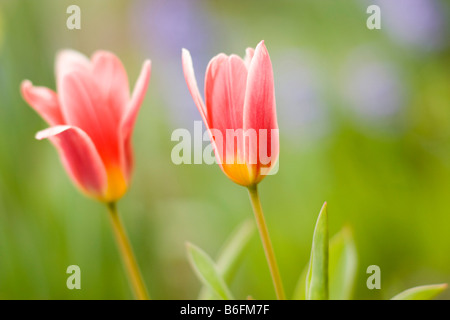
[(207, 272), (342, 265), (342, 268), (427, 292), (230, 255), (317, 277)]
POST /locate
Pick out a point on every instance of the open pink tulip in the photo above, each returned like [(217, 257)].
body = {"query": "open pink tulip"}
[(239, 112), (91, 119)]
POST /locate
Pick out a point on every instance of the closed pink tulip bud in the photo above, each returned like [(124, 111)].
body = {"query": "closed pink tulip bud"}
[(91, 119), (239, 112)]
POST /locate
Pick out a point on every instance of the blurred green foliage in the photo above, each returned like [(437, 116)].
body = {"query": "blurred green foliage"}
[(386, 176)]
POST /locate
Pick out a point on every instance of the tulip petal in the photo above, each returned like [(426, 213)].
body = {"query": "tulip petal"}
[(225, 84), (68, 61), (83, 107), (79, 157), (249, 53), (112, 80), (132, 109), (259, 106), (189, 76), (129, 117), (259, 110), (44, 101)]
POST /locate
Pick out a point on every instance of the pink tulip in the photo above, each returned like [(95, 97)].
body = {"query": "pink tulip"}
[(239, 112), (91, 119)]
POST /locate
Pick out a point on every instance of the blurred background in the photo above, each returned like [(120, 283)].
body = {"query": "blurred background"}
[(364, 119)]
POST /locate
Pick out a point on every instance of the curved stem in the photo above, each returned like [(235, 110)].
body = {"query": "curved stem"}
[(268, 249), (129, 261)]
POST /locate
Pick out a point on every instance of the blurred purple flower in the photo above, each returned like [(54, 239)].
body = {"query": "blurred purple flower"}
[(172, 24), (301, 110), (414, 23), (372, 87), (163, 28)]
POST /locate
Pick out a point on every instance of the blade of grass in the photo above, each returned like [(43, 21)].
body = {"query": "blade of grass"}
[(317, 278), (207, 272), (427, 292), (230, 255)]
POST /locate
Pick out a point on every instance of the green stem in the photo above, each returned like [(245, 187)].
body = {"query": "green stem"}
[(129, 261), (264, 234)]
